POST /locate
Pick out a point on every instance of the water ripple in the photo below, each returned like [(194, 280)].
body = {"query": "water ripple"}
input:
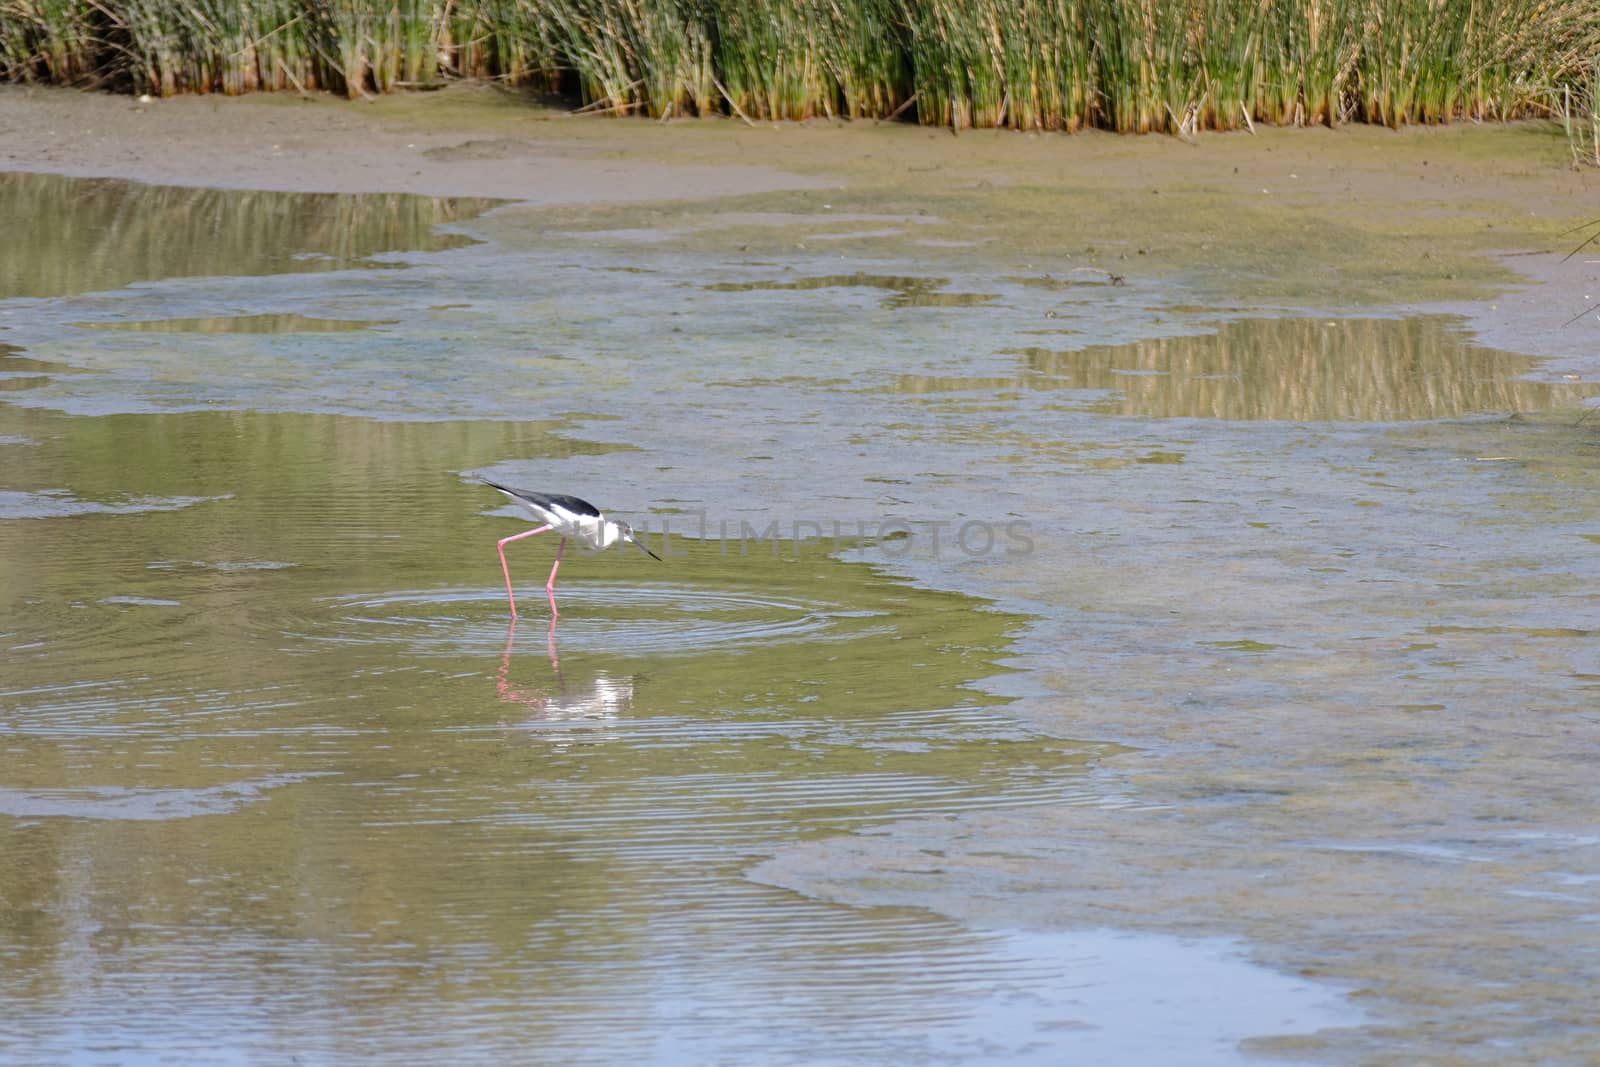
[(55, 504), (617, 619), (140, 804)]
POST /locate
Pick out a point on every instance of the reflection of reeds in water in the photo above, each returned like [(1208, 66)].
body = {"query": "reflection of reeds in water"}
[(1129, 65), (70, 235), (1300, 370)]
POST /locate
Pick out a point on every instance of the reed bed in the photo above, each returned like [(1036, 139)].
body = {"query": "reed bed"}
[(1128, 65)]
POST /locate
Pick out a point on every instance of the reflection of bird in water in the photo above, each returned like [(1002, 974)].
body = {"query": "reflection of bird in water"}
[(569, 517), (600, 701)]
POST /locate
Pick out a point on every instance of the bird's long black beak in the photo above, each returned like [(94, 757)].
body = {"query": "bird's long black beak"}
[(646, 551)]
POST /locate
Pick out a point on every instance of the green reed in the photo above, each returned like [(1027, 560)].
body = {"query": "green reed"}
[(767, 54), (50, 41), (1579, 109), (1126, 65), (867, 56), (650, 56)]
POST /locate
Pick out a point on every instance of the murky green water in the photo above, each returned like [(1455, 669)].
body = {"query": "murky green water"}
[(266, 729), (1097, 669)]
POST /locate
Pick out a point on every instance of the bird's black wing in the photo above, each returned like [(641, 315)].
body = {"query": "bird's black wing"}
[(566, 503), (570, 504)]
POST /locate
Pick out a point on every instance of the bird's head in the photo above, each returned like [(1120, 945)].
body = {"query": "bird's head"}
[(625, 533)]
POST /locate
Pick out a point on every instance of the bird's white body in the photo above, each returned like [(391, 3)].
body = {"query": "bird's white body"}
[(593, 532)]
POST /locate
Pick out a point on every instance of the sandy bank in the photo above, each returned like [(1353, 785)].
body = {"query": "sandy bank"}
[(476, 141)]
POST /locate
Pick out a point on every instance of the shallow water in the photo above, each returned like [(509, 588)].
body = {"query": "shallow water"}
[(1099, 668), (277, 765)]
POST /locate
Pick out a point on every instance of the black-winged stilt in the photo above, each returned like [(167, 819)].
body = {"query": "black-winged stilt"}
[(569, 517)]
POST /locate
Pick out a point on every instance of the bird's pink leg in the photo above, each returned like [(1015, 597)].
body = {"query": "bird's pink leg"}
[(550, 586), (501, 547)]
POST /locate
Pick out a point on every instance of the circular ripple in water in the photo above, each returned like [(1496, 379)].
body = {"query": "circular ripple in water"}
[(113, 665), (595, 617)]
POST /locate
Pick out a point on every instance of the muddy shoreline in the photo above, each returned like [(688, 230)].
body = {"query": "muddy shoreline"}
[(1472, 220)]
